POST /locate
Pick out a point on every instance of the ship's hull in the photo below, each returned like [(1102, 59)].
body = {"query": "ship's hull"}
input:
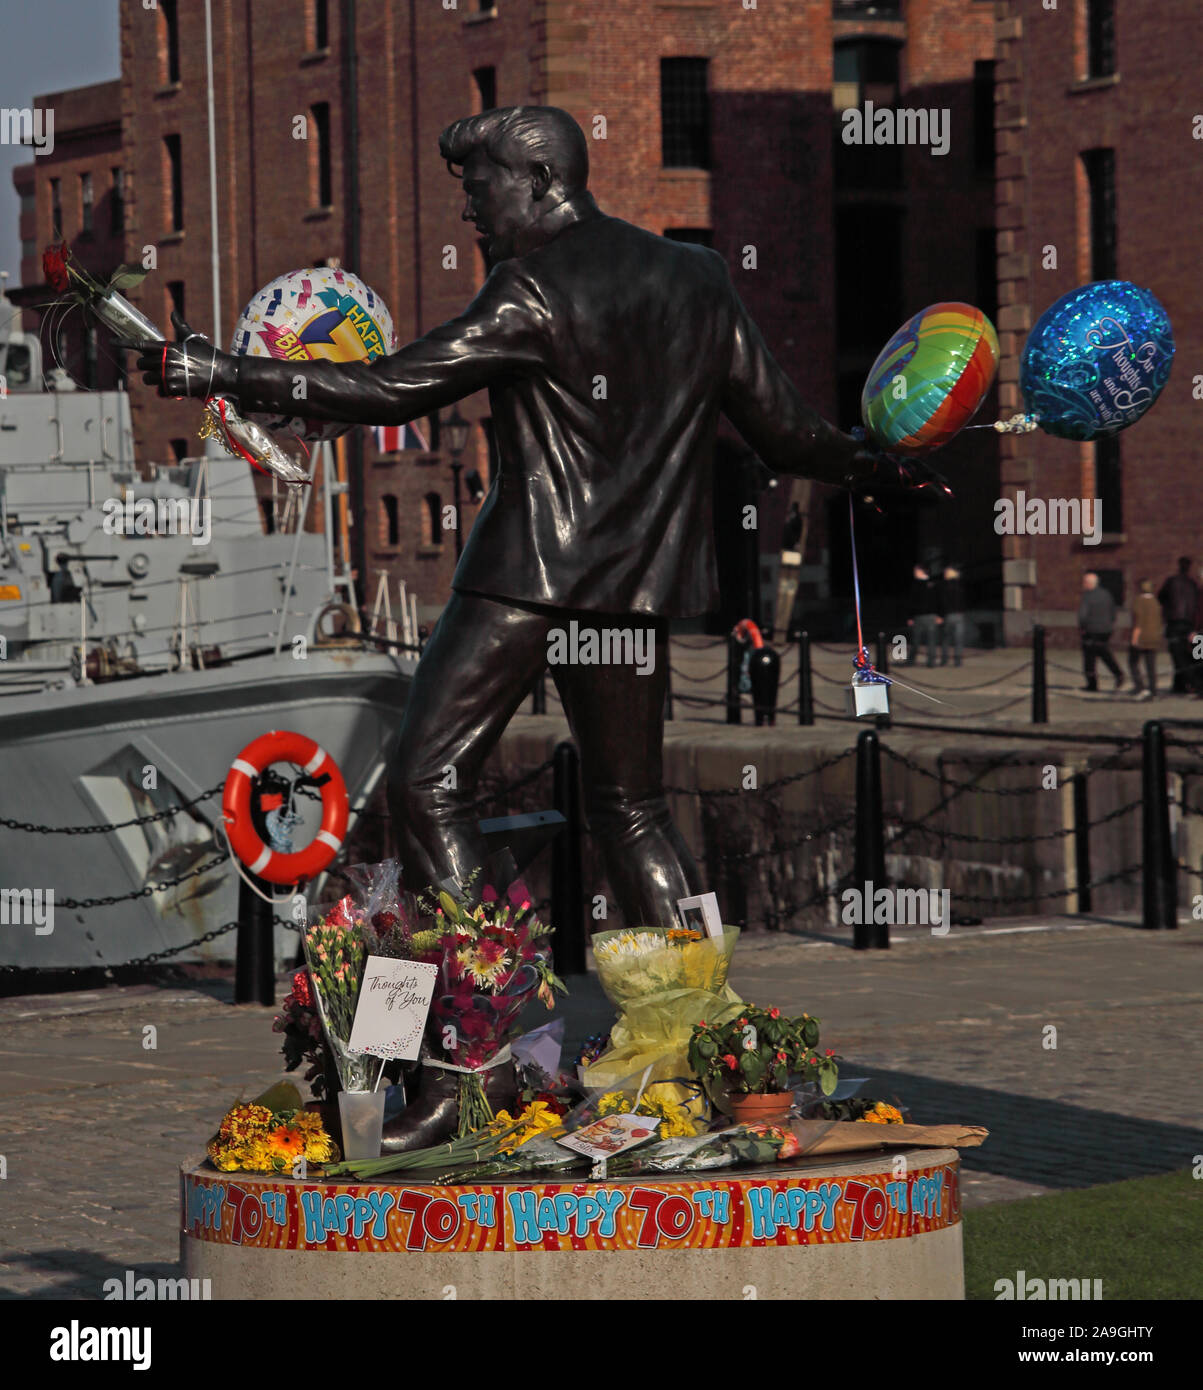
[(102, 754)]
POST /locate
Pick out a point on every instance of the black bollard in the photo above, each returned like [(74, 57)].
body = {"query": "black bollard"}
[(1160, 870), (539, 694), (1082, 842), (1039, 678), (567, 886), (869, 866), (806, 699), (765, 671), (735, 653), (883, 654), (254, 966)]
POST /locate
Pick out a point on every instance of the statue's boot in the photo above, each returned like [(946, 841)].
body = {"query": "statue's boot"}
[(433, 1118)]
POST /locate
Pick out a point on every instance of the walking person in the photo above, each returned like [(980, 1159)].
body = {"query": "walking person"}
[(1096, 619), (1179, 599), (925, 607), (952, 605), (1147, 636)]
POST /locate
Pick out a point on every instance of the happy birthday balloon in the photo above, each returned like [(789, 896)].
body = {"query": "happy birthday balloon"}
[(930, 378), (317, 315), (1096, 360)]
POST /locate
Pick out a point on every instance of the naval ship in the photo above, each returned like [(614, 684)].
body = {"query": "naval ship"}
[(150, 628)]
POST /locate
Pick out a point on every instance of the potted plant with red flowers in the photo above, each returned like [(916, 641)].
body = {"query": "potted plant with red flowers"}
[(751, 1064)]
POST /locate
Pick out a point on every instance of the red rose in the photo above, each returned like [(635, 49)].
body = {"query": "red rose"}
[(300, 989), (731, 1060), (774, 1013), (54, 267)]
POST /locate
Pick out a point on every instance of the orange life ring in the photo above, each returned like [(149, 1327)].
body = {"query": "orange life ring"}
[(283, 746), (746, 629)]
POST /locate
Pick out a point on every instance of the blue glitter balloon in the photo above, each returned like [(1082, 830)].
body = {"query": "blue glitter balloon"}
[(1096, 360)]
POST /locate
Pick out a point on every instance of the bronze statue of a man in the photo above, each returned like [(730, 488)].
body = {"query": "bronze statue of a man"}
[(608, 354)]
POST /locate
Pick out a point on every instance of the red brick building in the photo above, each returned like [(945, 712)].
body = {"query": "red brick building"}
[(708, 119), (75, 193), (1101, 177)]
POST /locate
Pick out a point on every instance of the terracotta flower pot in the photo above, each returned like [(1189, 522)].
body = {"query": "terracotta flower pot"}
[(753, 1109)]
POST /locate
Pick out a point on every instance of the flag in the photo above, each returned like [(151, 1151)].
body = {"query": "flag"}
[(389, 438)]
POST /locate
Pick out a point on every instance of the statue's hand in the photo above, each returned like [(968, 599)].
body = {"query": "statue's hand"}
[(191, 366), (877, 476)]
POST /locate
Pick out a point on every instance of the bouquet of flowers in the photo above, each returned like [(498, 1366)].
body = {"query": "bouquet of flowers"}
[(336, 951), (662, 981), (102, 298), (304, 1040), (270, 1134), (493, 956)]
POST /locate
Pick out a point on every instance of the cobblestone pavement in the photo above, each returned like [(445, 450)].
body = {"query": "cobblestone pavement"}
[(95, 1121)]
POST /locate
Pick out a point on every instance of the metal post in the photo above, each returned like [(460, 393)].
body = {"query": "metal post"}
[(806, 699), (870, 861), (734, 658), (1160, 871), (1039, 678), (539, 694), (1082, 842), (883, 654), (567, 886), (254, 966), (765, 672)]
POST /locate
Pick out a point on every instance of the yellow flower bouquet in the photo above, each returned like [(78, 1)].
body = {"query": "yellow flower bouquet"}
[(270, 1134), (662, 981)]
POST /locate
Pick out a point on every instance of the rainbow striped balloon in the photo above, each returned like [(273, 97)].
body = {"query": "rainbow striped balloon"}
[(930, 378)]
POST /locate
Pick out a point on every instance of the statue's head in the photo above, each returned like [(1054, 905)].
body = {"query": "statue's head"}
[(517, 163)]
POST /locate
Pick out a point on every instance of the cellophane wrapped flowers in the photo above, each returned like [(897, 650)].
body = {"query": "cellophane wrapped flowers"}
[(494, 955)]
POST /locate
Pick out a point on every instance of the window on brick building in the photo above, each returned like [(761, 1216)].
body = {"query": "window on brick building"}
[(169, 40), (320, 168), (319, 24), (983, 117), (1100, 38), (174, 182), (868, 276), (865, 70), (685, 113), (432, 430), (389, 532), (485, 5), (432, 519), (179, 449), (56, 209), (699, 236), (486, 87), (1108, 483), (1100, 182), (987, 271), (866, 9), (117, 203), (86, 200)]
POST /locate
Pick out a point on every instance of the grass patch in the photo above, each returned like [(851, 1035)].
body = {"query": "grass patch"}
[(1143, 1238)]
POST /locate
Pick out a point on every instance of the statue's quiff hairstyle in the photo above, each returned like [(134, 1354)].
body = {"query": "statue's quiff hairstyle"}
[(519, 136)]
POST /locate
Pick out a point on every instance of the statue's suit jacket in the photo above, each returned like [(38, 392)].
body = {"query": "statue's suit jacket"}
[(608, 353)]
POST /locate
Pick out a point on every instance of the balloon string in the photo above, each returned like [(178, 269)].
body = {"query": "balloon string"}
[(860, 641)]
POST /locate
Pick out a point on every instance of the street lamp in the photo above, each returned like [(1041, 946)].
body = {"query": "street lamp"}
[(456, 430)]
